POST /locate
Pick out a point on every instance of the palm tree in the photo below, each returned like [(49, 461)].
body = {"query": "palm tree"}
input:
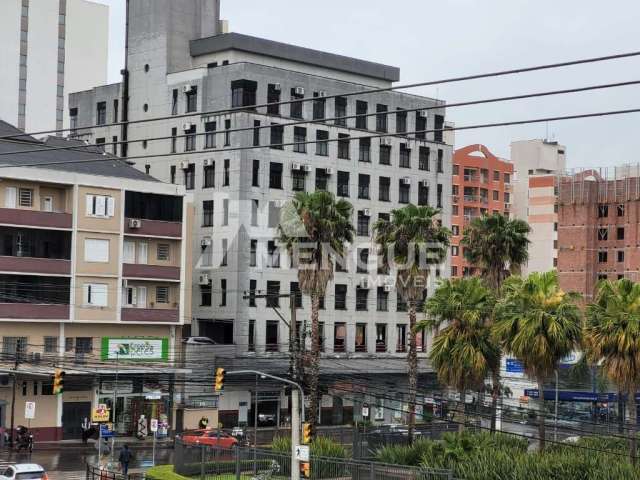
[(463, 350), (412, 240), (612, 338), (314, 227), (497, 246), (539, 324)]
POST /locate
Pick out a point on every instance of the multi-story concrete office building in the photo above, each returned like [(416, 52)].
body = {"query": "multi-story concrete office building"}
[(179, 63), (598, 227), (49, 49), (534, 198), (95, 276), (481, 185)]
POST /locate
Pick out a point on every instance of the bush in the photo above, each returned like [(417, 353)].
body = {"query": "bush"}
[(320, 447), (163, 472), (500, 456)]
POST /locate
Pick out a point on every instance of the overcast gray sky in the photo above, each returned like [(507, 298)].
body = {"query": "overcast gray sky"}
[(431, 40)]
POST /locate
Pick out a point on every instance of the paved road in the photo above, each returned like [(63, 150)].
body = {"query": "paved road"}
[(70, 460)]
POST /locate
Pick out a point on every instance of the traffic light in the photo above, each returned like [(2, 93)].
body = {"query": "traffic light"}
[(306, 469), (58, 382), (220, 373), (307, 432)]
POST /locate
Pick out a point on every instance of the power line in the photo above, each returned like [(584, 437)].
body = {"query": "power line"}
[(348, 94), (332, 140), (322, 120)]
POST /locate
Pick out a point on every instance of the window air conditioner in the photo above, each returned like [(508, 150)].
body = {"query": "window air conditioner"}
[(364, 283), (388, 288), (277, 87), (329, 171), (385, 141), (187, 126), (296, 166), (203, 279), (187, 88), (184, 165), (135, 223), (307, 168), (299, 90), (322, 93), (406, 180), (423, 113), (208, 162), (424, 183), (205, 242), (366, 212)]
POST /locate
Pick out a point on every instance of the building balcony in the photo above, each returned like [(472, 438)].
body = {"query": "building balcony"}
[(153, 228), (151, 315), (34, 218), (44, 266), (160, 272), (34, 311)]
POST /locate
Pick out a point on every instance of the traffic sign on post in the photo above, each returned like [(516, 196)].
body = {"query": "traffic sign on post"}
[(30, 410), (153, 426), (302, 453)]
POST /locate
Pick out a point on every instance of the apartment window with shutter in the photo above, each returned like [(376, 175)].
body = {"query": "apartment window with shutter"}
[(95, 294), (50, 344), (25, 197), (96, 250), (163, 252), (361, 110), (322, 146), (423, 158), (162, 294), (210, 135), (100, 206), (385, 155), (341, 111)]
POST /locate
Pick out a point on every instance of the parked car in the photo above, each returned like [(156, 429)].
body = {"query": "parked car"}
[(24, 471), (208, 437)]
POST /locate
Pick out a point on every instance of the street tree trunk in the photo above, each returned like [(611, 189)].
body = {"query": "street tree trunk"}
[(314, 369), (412, 360), (541, 415), (633, 420), (495, 393)]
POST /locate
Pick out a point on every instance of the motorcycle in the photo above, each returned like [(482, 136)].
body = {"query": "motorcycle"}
[(24, 439)]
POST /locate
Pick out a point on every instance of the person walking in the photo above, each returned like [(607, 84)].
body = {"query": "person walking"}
[(86, 427), (124, 459)]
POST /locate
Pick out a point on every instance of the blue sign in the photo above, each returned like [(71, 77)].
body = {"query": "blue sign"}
[(574, 396), (514, 366), (105, 432)]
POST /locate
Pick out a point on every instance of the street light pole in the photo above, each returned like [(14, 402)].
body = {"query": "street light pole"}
[(115, 401)]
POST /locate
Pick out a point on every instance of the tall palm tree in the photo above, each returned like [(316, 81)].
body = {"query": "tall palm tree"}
[(497, 246), (463, 350), (412, 240), (539, 324), (314, 228), (612, 338)]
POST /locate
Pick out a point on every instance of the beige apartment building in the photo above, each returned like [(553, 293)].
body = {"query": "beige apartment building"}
[(94, 279)]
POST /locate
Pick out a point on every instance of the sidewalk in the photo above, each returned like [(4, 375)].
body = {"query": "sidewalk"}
[(133, 442)]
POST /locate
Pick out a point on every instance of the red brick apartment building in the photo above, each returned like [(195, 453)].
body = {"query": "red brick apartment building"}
[(481, 184), (598, 223)]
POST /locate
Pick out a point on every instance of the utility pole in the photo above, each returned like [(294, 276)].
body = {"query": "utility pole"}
[(13, 397), (293, 338), (115, 401)]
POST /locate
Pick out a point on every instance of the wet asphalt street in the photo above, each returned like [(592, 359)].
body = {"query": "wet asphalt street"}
[(73, 458)]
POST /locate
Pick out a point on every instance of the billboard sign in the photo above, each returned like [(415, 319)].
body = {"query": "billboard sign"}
[(135, 348)]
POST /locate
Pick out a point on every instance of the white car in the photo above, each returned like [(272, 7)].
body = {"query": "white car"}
[(24, 471)]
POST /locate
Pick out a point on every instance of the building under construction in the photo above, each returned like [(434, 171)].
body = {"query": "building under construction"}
[(598, 222)]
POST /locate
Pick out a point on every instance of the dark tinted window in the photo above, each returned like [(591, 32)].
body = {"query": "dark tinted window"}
[(151, 206)]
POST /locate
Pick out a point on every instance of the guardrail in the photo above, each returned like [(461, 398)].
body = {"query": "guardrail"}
[(99, 473)]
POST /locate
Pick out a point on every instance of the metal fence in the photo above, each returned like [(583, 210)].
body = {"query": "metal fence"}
[(209, 462), (98, 473)]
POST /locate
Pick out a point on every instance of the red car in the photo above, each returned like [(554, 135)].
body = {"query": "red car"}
[(208, 437)]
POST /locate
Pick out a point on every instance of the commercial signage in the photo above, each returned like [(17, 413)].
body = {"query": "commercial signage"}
[(153, 426), (30, 410), (575, 396), (100, 414), (135, 348)]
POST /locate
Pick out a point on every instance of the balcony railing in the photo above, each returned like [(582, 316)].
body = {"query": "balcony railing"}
[(33, 311), (162, 272), (471, 177), (34, 218), (156, 228), (470, 198), (45, 266), (150, 315)]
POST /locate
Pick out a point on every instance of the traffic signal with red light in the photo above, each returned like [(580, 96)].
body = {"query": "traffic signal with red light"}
[(306, 469)]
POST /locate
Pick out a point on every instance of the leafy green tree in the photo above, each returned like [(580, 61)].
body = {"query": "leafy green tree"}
[(612, 339), (497, 246), (412, 240), (315, 227), (539, 324), (463, 350)]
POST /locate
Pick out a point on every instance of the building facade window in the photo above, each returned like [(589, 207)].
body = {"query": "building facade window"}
[(255, 174), (190, 139), (322, 179), (405, 155), (273, 97), (343, 146), (296, 107), (361, 112), (385, 155), (382, 300), (225, 172), (404, 192), (363, 224), (401, 121), (243, 93), (322, 145), (319, 107), (300, 139), (101, 113), (207, 213), (192, 99), (423, 158), (210, 135), (277, 136), (384, 189), (190, 176), (275, 175), (343, 184), (381, 118), (298, 178), (209, 175), (341, 111), (364, 152), (340, 297)]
